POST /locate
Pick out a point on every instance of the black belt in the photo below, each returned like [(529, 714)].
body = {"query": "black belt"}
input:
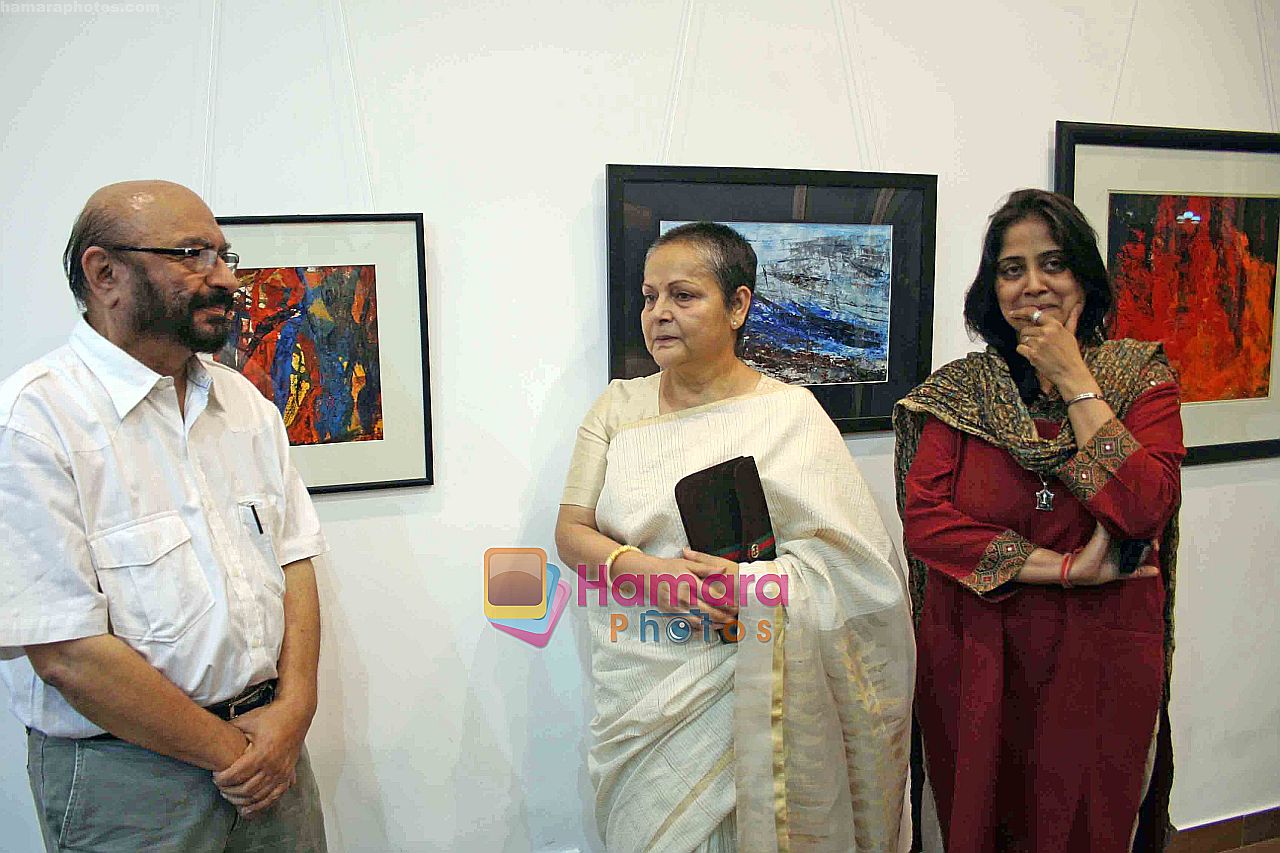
[(260, 694)]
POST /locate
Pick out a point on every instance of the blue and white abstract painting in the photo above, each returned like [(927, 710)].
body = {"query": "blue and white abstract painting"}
[(820, 315)]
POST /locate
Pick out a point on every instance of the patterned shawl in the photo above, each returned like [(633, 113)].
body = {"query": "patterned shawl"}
[(977, 395)]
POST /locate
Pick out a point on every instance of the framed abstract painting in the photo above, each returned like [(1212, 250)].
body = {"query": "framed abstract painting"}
[(331, 326), (843, 300), (1188, 222)]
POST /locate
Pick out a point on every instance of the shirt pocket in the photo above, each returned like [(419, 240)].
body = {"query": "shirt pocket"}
[(259, 520), (152, 579)]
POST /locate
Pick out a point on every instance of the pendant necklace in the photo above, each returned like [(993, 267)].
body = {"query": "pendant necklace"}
[(1044, 497)]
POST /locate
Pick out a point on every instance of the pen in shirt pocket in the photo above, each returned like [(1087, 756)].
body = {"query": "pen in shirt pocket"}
[(256, 520)]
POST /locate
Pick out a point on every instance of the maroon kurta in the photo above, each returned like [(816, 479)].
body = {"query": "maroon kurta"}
[(1037, 704)]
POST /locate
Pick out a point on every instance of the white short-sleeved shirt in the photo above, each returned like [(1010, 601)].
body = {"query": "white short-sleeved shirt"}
[(120, 515)]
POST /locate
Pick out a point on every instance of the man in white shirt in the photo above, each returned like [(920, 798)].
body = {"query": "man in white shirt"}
[(159, 622)]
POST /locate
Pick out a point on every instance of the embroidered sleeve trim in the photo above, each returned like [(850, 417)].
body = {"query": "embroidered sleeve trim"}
[(1000, 563), (1093, 466)]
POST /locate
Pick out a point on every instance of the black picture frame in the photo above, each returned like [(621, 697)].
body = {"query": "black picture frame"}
[(1090, 158), (641, 197), (393, 243)]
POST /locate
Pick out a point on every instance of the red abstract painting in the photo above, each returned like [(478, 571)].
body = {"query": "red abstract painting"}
[(307, 337), (1199, 274)]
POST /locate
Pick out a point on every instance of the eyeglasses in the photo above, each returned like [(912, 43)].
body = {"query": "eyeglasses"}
[(205, 259)]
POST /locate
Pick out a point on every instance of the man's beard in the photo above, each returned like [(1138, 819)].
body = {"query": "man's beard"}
[(152, 316)]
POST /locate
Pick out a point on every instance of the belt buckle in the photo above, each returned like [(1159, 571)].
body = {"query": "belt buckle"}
[(233, 706)]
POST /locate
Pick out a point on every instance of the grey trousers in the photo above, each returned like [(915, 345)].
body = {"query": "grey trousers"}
[(110, 796)]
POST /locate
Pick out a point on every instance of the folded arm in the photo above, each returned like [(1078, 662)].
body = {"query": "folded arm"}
[(585, 548), (980, 556), (115, 688), (1128, 473)]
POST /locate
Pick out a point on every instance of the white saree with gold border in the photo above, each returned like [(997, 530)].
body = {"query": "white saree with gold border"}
[(798, 742)]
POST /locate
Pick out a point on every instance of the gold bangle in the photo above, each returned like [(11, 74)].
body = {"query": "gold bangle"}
[(615, 554)]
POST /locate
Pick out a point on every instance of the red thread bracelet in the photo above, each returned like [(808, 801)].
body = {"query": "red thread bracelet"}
[(1066, 569)]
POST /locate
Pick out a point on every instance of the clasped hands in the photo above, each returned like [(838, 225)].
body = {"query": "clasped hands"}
[(266, 768), (687, 571)]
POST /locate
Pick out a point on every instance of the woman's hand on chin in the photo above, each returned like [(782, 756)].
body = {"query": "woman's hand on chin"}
[(1054, 352)]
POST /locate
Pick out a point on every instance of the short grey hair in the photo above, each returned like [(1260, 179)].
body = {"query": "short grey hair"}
[(95, 226)]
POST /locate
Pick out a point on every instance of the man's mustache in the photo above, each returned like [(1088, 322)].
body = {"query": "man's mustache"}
[(218, 299)]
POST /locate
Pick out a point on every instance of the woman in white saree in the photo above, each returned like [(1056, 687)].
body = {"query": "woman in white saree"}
[(796, 738)]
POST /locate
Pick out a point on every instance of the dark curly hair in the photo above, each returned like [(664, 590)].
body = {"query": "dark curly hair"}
[(1079, 245)]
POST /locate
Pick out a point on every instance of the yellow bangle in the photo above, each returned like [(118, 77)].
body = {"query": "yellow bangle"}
[(615, 554)]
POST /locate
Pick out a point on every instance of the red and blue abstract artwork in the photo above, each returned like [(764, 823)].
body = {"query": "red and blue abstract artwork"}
[(307, 337)]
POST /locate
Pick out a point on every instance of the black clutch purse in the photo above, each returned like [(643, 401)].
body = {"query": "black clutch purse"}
[(1129, 555), (725, 513)]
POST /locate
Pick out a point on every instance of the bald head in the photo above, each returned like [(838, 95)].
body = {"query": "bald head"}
[(133, 212)]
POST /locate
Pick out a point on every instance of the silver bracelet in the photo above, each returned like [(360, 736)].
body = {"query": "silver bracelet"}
[(1087, 395)]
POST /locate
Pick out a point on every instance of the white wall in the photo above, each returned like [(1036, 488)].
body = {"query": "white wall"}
[(496, 120)]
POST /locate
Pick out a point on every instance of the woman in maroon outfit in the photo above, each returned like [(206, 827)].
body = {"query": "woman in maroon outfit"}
[(1033, 479)]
